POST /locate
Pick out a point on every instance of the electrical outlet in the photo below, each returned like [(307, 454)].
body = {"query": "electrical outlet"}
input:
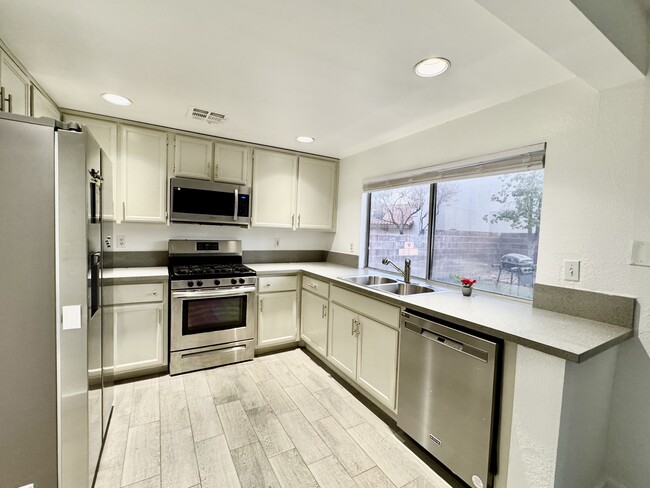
[(277, 242), (571, 270), (121, 242)]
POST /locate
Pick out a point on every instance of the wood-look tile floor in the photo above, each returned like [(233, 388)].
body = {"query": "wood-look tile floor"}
[(277, 421)]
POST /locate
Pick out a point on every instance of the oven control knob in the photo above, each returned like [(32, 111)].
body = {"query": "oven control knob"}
[(217, 282), (190, 284), (199, 283), (242, 281), (233, 281)]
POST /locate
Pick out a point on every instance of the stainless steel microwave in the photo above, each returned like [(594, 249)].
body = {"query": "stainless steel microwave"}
[(206, 202)]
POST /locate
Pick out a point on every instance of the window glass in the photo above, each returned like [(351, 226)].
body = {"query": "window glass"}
[(488, 229), (399, 228)]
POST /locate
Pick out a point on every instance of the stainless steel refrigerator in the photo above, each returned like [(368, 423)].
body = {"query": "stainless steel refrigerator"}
[(56, 344)]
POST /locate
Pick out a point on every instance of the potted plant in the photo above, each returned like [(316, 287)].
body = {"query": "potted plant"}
[(467, 286)]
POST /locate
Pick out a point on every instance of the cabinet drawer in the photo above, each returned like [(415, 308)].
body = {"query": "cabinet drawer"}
[(277, 283), (141, 293), (383, 312), (318, 287)]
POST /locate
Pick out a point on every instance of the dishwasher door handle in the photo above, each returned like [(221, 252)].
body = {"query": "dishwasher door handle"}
[(457, 346)]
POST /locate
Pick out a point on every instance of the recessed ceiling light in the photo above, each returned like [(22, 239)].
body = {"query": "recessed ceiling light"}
[(431, 67), (116, 99), (305, 139)]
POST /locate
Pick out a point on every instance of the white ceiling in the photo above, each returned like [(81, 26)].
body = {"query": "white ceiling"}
[(338, 70)]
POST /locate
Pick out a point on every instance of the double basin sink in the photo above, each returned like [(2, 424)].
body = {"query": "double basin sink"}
[(382, 283)]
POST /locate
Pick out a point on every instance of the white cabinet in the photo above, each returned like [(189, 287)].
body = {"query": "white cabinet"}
[(143, 174), (105, 133), (193, 157), (139, 314), (231, 163), (378, 359), (16, 85), (277, 317), (314, 312), (292, 192), (41, 105), (138, 336), (316, 194), (274, 189), (363, 342), (343, 339)]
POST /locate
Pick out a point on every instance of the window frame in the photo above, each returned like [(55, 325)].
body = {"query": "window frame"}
[(433, 194)]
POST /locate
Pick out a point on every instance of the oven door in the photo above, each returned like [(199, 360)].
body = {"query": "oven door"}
[(208, 317)]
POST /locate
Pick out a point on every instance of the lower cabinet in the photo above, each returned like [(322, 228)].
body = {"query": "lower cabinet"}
[(313, 318), (277, 318), (365, 348), (140, 337)]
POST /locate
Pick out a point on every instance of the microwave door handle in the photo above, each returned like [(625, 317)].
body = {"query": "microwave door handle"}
[(236, 203)]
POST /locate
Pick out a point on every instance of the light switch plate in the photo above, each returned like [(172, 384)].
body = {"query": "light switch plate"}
[(640, 253), (571, 270)]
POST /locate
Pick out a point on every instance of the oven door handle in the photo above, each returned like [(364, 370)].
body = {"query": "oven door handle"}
[(214, 293)]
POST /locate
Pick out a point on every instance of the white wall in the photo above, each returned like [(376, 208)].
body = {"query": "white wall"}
[(154, 237), (596, 200)]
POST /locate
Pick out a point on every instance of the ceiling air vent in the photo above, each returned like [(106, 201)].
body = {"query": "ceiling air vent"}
[(205, 115)]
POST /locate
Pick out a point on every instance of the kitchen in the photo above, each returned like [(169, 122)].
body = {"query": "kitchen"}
[(593, 121)]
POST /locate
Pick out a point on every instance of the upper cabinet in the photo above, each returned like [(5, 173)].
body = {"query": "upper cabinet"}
[(15, 87), (193, 157), (292, 192), (41, 105), (205, 159), (275, 177), (105, 133), (316, 194), (231, 163), (143, 174)]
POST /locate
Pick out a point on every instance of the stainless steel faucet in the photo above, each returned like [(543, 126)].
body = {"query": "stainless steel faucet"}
[(407, 268)]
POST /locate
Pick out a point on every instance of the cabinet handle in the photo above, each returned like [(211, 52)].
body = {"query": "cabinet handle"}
[(298, 220), (358, 331), (123, 210), (216, 171), (261, 306), (268, 284), (10, 100), (312, 285), (324, 314), (292, 217), (2, 98)]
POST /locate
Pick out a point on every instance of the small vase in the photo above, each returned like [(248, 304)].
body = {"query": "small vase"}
[(467, 291)]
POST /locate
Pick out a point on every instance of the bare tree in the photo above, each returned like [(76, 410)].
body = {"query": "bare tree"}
[(399, 207), (445, 193)]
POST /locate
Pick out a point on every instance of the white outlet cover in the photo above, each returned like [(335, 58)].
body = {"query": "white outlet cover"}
[(640, 253)]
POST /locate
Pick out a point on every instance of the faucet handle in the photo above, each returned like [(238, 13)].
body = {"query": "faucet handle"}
[(407, 262)]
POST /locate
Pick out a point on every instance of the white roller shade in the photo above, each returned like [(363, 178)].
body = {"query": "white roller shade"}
[(512, 161)]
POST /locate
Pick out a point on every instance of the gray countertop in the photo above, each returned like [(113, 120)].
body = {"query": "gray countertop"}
[(564, 336)]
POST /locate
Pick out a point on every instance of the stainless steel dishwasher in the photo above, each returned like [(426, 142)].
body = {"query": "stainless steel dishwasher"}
[(447, 395)]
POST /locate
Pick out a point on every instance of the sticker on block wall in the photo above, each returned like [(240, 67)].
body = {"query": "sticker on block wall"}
[(478, 483), (407, 252)]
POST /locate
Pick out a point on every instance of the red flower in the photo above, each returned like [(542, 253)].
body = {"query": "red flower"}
[(467, 282)]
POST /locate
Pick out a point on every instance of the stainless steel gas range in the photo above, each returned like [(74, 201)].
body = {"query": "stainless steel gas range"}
[(212, 305)]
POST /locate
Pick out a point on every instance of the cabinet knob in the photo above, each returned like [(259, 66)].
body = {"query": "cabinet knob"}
[(155, 292), (268, 284)]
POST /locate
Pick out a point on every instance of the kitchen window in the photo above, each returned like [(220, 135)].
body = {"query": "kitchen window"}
[(478, 220)]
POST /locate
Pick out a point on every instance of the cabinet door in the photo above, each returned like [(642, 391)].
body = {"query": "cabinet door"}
[(143, 174), (105, 133), (231, 163), (314, 311), (274, 189), (16, 84), (378, 360), (277, 318), (343, 340), (316, 194), (193, 158), (41, 106), (138, 336)]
